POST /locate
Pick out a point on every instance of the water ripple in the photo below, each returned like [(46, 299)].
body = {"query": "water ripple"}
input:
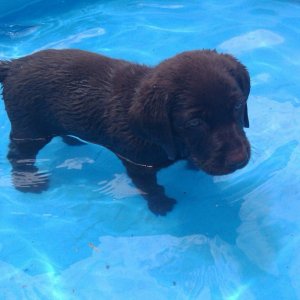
[(70, 40)]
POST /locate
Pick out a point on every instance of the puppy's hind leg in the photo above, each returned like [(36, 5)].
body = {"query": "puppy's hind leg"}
[(22, 156)]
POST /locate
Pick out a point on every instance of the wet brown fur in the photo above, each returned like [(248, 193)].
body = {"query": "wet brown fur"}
[(140, 113)]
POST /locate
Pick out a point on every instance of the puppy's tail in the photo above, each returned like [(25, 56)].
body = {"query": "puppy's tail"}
[(4, 68)]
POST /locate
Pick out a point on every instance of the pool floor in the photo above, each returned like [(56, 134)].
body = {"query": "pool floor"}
[(91, 235)]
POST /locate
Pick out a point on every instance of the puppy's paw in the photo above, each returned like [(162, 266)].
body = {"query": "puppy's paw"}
[(32, 182), (161, 206)]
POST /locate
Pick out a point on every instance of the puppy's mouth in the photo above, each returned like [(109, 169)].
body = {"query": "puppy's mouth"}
[(217, 163), (215, 168), (220, 171)]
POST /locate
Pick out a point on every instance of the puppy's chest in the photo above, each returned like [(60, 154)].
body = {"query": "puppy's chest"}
[(138, 152)]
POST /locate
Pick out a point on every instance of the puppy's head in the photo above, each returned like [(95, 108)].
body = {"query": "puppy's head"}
[(194, 106)]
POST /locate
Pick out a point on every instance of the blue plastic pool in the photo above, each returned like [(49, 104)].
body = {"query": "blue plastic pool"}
[(91, 236)]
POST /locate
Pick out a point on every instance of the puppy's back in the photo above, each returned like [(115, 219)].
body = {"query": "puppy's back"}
[(54, 87), (50, 66)]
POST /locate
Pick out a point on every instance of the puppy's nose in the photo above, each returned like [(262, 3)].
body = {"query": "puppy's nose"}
[(237, 159)]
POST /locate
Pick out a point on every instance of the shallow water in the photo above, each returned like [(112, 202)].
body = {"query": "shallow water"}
[(91, 236)]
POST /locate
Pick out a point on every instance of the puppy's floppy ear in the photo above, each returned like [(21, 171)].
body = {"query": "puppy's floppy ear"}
[(149, 117), (246, 118), (241, 75)]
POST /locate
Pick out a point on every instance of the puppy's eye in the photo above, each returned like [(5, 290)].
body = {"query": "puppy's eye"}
[(193, 123), (238, 105)]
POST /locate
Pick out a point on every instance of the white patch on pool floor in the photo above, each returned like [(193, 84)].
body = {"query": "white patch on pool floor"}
[(252, 40), (75, 163)]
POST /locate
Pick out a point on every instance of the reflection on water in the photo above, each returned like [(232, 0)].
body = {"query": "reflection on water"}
[(91, 236), (16, 31)]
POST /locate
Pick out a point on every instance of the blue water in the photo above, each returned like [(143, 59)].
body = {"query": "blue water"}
[(91, 236)]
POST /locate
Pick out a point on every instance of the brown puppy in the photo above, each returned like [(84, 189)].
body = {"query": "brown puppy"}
[(191, 106)]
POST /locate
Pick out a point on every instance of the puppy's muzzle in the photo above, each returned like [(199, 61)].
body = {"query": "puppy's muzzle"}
[(237, 159)]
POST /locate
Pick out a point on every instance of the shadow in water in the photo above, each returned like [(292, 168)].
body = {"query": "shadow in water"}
[(63, 225)]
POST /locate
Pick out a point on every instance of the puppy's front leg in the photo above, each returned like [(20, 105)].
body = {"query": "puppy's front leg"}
[(145, 180)]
